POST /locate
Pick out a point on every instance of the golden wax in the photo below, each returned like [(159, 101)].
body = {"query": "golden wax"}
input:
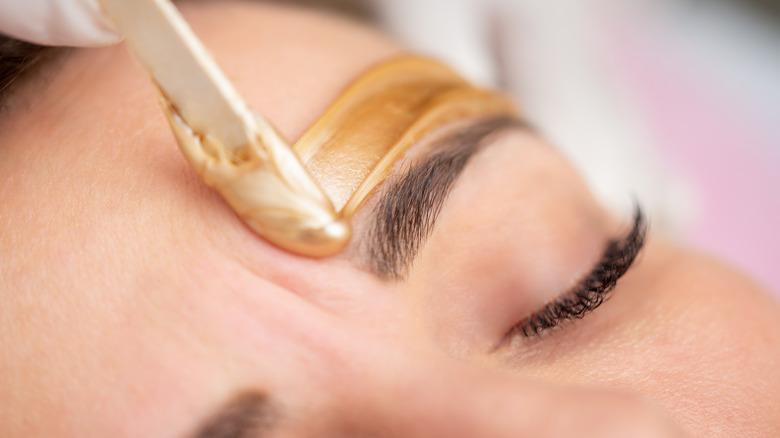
[(353, 146)]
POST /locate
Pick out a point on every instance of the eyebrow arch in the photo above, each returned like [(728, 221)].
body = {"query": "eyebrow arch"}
[(248, 415), (413, 197)]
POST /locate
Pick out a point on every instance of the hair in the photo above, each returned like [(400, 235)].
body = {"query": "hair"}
[(18, 60)]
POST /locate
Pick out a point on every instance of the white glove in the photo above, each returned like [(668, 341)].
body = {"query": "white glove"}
[(57, 22)]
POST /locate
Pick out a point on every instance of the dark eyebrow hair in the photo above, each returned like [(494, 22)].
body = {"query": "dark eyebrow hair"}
[(248, 415), (19, 61), (412, 198)]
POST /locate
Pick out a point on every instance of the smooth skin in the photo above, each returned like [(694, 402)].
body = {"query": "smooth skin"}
[(135, 302)]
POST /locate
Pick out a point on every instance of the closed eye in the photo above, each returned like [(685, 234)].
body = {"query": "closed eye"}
[(592, 290)]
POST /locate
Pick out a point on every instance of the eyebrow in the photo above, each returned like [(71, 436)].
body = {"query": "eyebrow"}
[(412, 198), (248, 415)]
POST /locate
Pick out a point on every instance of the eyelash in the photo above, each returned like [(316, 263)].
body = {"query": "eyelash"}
[(591, 291)]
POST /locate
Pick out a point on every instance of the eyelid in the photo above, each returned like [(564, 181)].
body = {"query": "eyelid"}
[(591, 291)]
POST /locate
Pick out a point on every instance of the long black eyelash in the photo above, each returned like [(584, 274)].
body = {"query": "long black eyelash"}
[(594, 289)]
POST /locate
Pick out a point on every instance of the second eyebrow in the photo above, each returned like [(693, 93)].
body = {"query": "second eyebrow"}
[(410, 202), (247, 415)]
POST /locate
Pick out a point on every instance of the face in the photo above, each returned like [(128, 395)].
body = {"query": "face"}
[(135, 303)]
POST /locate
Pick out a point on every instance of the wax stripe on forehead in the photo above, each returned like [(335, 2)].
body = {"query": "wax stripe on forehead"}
[(352, 147)]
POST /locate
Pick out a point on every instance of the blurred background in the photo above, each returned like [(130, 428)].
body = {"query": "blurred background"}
[(674, 103)]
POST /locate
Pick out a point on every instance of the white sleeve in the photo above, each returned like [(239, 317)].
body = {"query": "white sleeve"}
[(462, 39), (549, 56), (57, 22)]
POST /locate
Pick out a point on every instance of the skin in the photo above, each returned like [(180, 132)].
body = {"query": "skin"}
[(135, 302)]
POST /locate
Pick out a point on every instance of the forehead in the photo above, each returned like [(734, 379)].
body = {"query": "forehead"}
[(287, 63), (103, 179)]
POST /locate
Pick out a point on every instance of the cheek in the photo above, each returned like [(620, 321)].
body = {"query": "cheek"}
[(688, 333)]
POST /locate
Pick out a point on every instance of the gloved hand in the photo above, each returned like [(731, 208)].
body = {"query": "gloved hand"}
[(57, 22)]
